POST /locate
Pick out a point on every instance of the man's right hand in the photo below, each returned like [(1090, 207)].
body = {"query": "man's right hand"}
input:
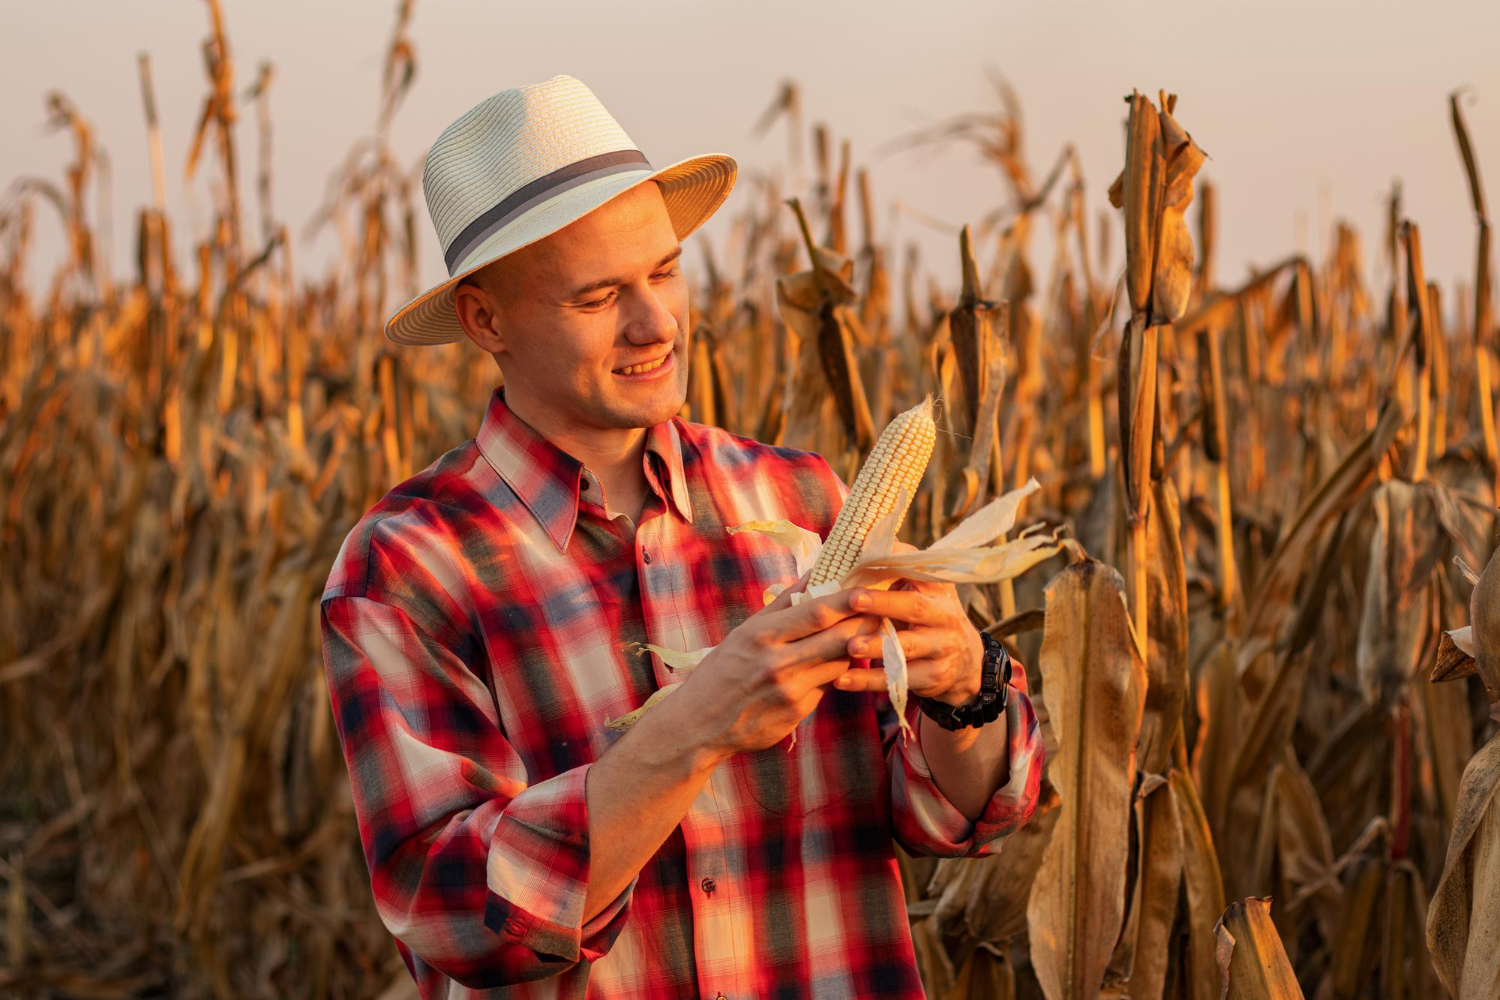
[(769, 673)]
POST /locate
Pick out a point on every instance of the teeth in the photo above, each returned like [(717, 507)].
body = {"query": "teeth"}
[(633, 369)]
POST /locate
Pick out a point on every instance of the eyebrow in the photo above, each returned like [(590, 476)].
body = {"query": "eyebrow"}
[(594, 286)]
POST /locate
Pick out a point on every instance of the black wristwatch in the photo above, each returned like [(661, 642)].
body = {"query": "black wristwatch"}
[(993, 684)]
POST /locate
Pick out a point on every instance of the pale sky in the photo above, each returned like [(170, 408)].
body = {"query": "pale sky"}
[(1308, 109)]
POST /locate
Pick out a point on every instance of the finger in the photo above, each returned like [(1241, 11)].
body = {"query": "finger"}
[(812, 616), (909, 606), (829, 644), (920, 677), (916, 643), (861, 679), (819, 675)]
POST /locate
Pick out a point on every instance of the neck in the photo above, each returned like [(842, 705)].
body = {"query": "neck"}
[(615, 454)]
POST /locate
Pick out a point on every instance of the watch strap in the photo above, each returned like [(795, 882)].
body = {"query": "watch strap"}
[(994, 685)]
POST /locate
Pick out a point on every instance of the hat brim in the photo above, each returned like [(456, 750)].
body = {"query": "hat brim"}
[(693, 190)]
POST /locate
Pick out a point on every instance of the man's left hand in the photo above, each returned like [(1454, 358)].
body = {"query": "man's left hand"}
[(944, 653)]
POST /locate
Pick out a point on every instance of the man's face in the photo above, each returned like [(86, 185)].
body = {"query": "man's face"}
[(604, 293)]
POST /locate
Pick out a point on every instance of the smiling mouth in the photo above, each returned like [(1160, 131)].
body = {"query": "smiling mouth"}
[(637, 369)]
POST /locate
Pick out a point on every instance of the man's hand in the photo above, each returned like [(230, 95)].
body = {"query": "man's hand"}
[(944, 653), (771, 671)]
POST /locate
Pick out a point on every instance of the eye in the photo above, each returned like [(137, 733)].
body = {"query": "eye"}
[(599, 302), (670, 272)]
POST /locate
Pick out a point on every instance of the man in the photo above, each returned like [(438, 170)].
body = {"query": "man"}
[(479, 624)]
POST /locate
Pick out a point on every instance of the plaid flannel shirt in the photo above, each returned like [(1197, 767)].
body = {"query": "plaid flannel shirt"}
[(473, 627)]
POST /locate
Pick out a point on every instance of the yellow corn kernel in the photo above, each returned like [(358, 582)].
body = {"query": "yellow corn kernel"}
[(899, 459)]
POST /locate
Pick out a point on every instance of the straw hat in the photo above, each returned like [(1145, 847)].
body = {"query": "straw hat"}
[(522, 165)]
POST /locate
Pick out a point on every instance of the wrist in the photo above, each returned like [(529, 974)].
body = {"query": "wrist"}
[(967, 692), (990, 701), (679, 736)]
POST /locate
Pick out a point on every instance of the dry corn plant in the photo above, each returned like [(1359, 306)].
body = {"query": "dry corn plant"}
[(1266, 658)]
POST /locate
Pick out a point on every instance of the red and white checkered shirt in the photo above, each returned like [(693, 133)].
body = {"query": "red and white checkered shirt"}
[(473, 628)]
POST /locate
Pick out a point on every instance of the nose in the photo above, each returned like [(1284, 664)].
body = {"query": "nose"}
[(650, 318)]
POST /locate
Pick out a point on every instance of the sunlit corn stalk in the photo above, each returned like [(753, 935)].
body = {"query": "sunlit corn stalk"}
[(1216, 448), (1483, 290), (1416, 292), (979, 354)]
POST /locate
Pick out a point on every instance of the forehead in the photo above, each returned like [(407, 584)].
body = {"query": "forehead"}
[(631, 230)]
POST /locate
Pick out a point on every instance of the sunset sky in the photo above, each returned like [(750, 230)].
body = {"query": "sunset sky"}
[(1308, 110)]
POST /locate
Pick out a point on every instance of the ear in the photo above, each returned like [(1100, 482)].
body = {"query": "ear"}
[(478, 315)]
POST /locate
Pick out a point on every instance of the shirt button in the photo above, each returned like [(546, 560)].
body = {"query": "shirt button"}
[(720, 996), (708, 885), (646, 556)]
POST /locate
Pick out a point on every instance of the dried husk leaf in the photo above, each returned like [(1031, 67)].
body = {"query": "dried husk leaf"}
[(675, 659), (805, 544), (1172, 284), (1463, 919), (989, 564), (972, 332), (1095, 682), (624, 722), (893, 662), (1455, 657), (1252, 960), (1140, 196), (988, 522)]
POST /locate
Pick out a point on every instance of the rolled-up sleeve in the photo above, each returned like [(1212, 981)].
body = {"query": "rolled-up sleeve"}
[(925, 821), (480, 873)]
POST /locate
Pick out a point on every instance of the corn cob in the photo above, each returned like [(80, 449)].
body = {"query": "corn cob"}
[(899, 459)]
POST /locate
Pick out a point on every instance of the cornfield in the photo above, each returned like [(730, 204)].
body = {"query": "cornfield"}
[(1266, 662)]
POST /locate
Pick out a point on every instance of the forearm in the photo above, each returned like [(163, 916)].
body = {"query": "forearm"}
[(637, 792), (967, 765)]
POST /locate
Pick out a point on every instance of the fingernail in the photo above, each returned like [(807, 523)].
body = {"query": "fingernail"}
[(861, 600), (843, 682)]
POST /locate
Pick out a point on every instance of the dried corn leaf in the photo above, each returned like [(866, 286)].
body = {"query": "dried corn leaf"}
[(1159, 823), (1253, 963), (1403, 551), (1094, 679), (1354, 949), (1204, 890), (1484, 619), (1272, 607)]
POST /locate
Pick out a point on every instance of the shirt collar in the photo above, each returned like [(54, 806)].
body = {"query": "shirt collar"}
[(546, 478)]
